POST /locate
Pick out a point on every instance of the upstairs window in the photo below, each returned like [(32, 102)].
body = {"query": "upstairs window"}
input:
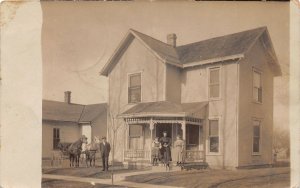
[(256, 137), (56, 138), (134, 88), (257, 87), (214, 82), (214, 136)]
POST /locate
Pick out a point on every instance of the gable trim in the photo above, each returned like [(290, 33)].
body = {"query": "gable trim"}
[(214, 60), (107, 67)]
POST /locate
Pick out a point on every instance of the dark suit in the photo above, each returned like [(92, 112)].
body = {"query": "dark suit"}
[(104, 151)]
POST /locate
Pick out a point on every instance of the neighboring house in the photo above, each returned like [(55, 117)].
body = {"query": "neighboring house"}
[(66, 122), (216, 93)]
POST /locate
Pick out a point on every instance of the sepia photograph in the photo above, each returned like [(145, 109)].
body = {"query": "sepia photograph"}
[(164, 94)]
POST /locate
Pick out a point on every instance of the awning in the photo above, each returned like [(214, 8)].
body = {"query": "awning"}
[(166, 109)]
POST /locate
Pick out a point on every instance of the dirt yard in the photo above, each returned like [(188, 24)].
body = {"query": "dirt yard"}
[(265, 177), (47, 183)]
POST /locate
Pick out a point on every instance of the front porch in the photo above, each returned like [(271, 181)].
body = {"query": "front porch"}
[(142, 131)]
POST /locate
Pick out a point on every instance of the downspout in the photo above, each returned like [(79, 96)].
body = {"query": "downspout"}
[(224, 115), (237, 113)]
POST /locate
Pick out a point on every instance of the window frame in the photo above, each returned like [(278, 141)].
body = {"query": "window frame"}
[(54, 133), (188, 135), (260, 136), (209, 152), (219, 83), (257, 71), (128, 86), (141, 138)]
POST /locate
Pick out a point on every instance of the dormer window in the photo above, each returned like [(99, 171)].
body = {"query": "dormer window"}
[(134, 88)]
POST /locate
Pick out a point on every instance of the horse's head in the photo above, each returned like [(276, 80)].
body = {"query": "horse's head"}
[(83, 139)]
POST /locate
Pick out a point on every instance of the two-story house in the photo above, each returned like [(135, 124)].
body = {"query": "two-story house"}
[(217, 94)]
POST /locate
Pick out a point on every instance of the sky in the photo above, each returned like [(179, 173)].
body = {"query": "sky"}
[(78, 38)]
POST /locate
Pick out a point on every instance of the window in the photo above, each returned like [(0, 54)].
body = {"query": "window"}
[(136, 137), (214, 136), (192, 134), (134, 88), (257, 88), (56, 138), (256, 136), (214, 82)]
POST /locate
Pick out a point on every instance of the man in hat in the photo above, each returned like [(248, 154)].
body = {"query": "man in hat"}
[(104, 151)]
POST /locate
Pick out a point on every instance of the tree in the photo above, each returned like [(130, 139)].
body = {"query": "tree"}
[(281, 142)]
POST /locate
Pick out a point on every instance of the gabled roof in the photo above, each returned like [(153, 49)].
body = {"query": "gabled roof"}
[(228, 47), (166, 108), (92, 111), (62, 111)]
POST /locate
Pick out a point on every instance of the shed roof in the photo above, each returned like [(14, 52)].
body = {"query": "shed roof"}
[(62, 111), (166, 108)]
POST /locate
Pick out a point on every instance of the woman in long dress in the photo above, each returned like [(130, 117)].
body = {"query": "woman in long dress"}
[(166, 149), (178, 150)]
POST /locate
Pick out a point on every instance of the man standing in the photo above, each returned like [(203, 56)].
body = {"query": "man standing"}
[(104, 151)]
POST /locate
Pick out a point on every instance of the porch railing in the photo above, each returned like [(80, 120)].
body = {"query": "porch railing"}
[(137, 154), (194, 155)]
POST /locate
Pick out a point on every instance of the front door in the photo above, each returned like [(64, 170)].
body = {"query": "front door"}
[(161, 127)]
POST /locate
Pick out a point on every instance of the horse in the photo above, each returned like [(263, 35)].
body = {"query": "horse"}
[(63, 147), (74, 151), (90, 152)]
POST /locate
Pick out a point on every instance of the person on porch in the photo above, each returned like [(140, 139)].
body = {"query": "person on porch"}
[(166, 149), (155, 151), (178, 150)]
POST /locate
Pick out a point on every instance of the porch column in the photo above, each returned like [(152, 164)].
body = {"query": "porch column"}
[(183, 128), (151, 136)]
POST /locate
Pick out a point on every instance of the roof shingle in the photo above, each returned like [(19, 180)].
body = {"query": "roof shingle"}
[(61, 111)]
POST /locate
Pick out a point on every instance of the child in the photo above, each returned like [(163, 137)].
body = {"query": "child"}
[(155, 151)]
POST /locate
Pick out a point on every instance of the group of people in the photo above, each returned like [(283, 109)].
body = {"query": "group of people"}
[(161, 150)]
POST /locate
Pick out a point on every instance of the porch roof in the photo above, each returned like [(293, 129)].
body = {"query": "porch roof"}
[(166, 109)]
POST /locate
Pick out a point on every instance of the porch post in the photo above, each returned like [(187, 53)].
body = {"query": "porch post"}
[(183, 128), (151, 136)]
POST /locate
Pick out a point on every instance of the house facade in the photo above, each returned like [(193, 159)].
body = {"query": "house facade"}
[(66, 122), (217, 94)]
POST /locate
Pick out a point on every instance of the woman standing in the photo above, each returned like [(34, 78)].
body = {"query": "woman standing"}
[(166, 149), (178, 150)]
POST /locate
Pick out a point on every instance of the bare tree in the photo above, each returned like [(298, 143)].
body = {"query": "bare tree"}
[(281, 142)]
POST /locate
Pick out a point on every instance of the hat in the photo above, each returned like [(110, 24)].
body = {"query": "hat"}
[(103, 137)]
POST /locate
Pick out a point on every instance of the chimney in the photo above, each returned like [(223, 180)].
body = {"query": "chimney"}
[(171, 39), (68, 97)]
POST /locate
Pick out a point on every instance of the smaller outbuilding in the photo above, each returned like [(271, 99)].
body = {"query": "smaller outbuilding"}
[(67, 122)]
